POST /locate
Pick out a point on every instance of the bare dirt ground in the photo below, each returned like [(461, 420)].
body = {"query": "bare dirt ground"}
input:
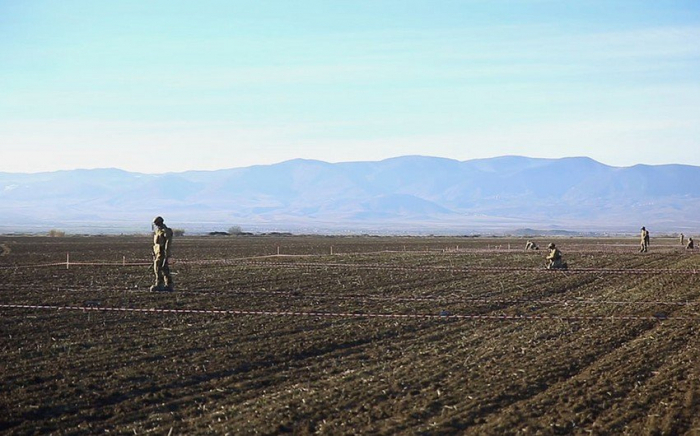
[(349, 335)]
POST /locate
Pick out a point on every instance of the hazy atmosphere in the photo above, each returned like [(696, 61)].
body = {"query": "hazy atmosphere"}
[(171, 86)]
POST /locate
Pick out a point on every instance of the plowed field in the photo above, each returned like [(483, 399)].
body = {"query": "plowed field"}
[(349, 335)]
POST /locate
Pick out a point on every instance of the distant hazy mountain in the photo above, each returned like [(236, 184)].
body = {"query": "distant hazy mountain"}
[(412, 193)]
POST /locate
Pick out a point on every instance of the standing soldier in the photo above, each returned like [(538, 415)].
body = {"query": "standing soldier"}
[(162, 239), (646, 237), (682, 238), (644, 240)]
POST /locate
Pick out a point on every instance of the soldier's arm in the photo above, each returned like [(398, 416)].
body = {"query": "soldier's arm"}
[(168, 241)]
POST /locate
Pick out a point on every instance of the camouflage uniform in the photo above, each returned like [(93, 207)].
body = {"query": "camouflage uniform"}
[(554, 260), (162, 239), (644, 240), (531, 246), (690, 245)]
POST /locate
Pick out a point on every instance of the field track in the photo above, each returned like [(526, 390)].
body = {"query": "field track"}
[(349, 335)]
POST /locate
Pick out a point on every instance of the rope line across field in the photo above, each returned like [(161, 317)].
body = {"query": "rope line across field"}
[(356, 315), (444, 299), (372, 266), (452, 269)]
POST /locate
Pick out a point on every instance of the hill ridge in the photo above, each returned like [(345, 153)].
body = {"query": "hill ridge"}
[(405, 192)]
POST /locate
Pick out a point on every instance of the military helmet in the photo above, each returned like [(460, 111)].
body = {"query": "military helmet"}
[(158, 220), (551, 245)]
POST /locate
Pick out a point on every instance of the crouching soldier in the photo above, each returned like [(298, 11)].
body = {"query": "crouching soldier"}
[(531, 246), (690, 245), (162, 238), (554, 260)]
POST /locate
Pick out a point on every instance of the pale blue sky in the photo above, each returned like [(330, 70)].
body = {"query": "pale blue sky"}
[(160, 86)]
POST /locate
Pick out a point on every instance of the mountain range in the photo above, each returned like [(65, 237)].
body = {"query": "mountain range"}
[(409, 194)]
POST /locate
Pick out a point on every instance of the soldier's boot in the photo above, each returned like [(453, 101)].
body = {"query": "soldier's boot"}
[(168, 285), (157, 287)]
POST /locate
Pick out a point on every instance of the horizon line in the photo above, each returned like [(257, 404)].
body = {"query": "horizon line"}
[(343, 162)]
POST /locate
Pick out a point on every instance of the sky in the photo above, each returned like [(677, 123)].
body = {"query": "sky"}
[(169, 86)]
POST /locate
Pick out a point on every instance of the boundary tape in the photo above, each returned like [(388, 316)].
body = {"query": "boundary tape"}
[(445, 299), (469, 269), (445, 316), (251, 261)]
